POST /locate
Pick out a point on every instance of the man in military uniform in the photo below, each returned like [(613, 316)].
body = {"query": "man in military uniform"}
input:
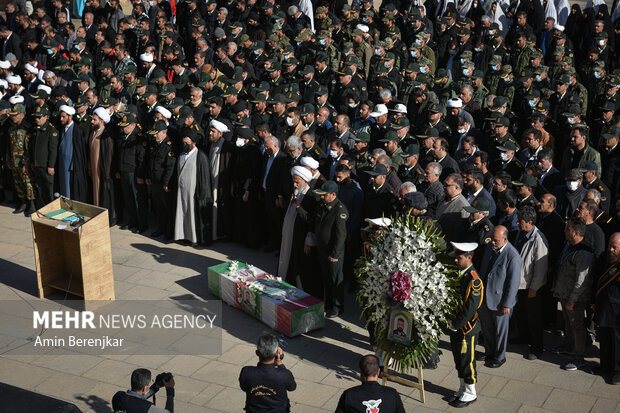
[(323, 73), (410, 170), (478, 227), (394, 151), (328, 224), (480, 90), (524, 188), (20, 156), (158, 171), (592, 181), (520, 57), (363, 51), (326, 47), (464, 325), (361, 155), (45, 151)]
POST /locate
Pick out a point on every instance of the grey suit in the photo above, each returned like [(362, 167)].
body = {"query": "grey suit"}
[(501, 274)]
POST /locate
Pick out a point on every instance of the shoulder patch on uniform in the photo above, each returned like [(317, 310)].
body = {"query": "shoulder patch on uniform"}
[(171, 154), (486, 228), (169, 143), (487, 240), (343, 216), (474, 275), (54, 133)]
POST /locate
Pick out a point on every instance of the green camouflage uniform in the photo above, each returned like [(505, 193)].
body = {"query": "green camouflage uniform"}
[(19, 152)]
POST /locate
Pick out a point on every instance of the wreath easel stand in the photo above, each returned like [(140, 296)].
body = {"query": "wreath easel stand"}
[(416, 385)]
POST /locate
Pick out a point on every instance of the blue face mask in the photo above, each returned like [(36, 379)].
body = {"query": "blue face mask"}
[(418, 42), (50, 51), (538, 78), (465, 72), (322, 42), (377, 52), (414, 53), (423, 69), (462, 60), (365, 20), (531, 103), (597, 75), (494, 67), (298, 44)]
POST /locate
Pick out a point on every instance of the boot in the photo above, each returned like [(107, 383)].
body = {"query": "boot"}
[(457, 395), (31, 209), (21, 207), (468, 397)]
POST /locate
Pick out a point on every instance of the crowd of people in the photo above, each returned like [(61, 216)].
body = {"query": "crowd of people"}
[(287, 126)]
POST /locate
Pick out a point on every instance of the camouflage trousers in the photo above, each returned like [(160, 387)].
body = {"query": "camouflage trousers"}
[(23, 184)]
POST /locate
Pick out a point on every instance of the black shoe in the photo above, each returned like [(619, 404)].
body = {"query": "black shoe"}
[(157, 234), (482, 357), (333, 313), (532, 356), (496, 363), (615, 379), (124, 226), (559, 350), (20, 209), (459, 404), (31, 209)]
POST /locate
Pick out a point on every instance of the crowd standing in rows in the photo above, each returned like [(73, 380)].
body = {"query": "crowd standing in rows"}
[(286, 126)]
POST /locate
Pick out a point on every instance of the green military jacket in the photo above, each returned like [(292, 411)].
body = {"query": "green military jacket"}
[(472, 291)]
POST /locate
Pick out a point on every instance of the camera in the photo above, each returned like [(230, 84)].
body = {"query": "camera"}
[(163, 378)]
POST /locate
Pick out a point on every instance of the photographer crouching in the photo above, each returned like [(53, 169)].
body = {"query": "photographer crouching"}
[(266, 384), (135, 400)]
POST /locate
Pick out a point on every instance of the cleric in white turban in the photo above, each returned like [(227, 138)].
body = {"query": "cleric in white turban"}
[(102, 114), (313, 165), (221, 127), (100, 145), (293, 264), (73, 155)]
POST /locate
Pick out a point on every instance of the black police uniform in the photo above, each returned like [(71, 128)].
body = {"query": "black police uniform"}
[(465, 322), (415, 174), (160, 161), (45, 151), (603, 189)]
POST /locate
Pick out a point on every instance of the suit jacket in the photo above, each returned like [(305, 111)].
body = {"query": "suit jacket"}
[(275, 176), (12, 45), (501, 274), (552, 179)]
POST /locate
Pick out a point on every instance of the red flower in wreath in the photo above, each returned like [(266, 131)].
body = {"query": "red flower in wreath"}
[(400, 286)]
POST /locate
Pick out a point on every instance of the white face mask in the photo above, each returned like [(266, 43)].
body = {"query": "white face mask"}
[(289, 121), (333, 153), (571, 121), (601, 43), (504, 157), (352, 105), (239, 142), (572, 185), (463, 130)]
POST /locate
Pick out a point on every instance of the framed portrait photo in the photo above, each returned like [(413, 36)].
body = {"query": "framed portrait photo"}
[(400, 327)]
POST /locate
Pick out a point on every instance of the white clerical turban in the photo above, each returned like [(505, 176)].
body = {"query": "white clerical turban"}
[(17, 99), (5, 64), (310, 162), (219, 126), (46, 88), (31, 68), (146, 57), (16, 80), (67, 109), (302, 172), (165, 112), (102, 114)]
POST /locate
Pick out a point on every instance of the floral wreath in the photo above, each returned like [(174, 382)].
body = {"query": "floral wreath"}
[(407, 265)]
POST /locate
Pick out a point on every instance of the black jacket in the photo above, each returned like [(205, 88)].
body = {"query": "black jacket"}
[(370, 396), (265, 386)]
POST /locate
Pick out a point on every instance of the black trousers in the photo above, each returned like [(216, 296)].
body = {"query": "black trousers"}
[(44, 186), (130, 193), (610, 349), (333, 280), (142, 202), (528, 316), (161, 207), (463, 351)]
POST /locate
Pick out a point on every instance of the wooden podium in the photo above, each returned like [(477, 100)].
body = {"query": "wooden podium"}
[(73, 259)]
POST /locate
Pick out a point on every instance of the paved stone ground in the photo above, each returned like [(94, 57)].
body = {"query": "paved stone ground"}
[(323, 362)]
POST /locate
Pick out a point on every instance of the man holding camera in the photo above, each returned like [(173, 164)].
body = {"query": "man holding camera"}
[(135, 400), (266, 384)]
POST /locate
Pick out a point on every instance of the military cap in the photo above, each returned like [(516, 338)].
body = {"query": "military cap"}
[(415, 14), (200, 22), (463, 31), (389, 136), (150, 90), (507, 146), (141, 81), (505, 71), (346, 7), (362, 137), (107, 102), (205, 77), (177, 102), (574, 175), (320, 10), (429, 133), (80, 101), (357, 32), (526, 180), (411, 150), (416, 200), (184, 113), (563, 79), (104, 65), (468, 64), (479, 204), (290, 62), (302, 37), (495, 60), (542, 106), (477, 74), (41, 94), (401, 122), (346, 72), (498, 102), (589, 166), (611, 133), (17, 109), (466, 54), (261, 97), (461, 248), (328, 187), (612, 81), (158, 127), (608, 106), (570, 71), (167, 89), (280, 98), (157, 73), (307, 109), (273, 38), (441, 73), (378, 169), (231, 90), (602, 35), (412, 67), (259, 44), (62, 61), (244, 38), (525, 74), (598, 65), (532, 94), (41, 111), (261, 87), (449, 15), (436, 108), (127, 120), (572, 110), (537, 54), (4, 105), (321, 90), (502, 121), (442, 20), (274, 66), (307, 70), (84, 61), (131, 69)]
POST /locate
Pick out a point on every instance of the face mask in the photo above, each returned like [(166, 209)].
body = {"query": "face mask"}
[(287, 57), (298, 44), (387, 64), (462, 130), (597, 75), (538, 78), (572, 185), (239, 142), (463, 61), (377, 52), (289, 121), (503, 157), (494, 68), (187, 147), (465, 72), (478, 49), (333, 153), (348, 53), (50, 51), (365, 20), (418, 42), (601, 43), (508, 80), (414, 53), (256, 52), (531, 103), (352, 105), (423, 69), (571, 121), (322, 42)]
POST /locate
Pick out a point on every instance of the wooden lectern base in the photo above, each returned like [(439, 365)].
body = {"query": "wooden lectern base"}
[(416, 385)]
